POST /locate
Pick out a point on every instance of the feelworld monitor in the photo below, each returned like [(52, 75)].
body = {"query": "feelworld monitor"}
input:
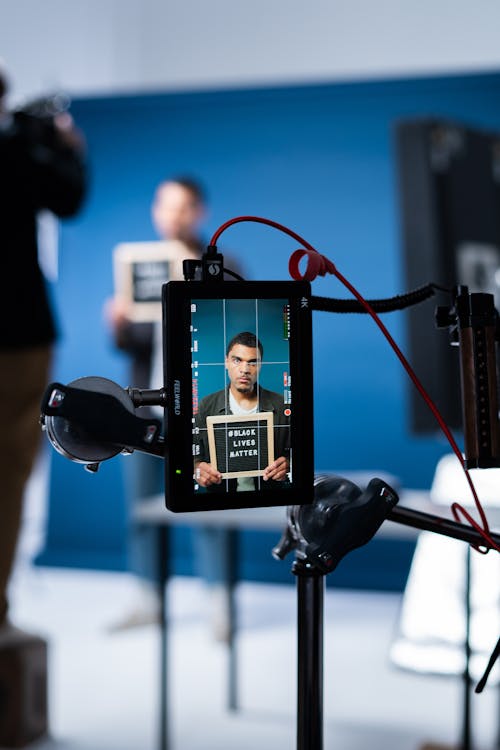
[(238, 375)]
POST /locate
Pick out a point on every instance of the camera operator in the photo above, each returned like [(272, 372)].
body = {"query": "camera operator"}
[(41, 167)]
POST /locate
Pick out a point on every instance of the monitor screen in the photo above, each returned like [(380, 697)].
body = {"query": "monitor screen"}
[(238, 375)]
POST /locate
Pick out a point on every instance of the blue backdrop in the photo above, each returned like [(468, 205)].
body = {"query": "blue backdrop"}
[(319, 159)]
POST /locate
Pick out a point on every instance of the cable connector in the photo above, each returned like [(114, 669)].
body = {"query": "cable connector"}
[(189, 268), (212, 265)]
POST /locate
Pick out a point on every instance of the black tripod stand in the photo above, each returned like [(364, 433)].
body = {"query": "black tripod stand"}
[(310, 593), (340, 519)]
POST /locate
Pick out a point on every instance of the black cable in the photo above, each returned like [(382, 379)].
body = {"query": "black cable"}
[(399, 302), (494, 656), (234, 274)]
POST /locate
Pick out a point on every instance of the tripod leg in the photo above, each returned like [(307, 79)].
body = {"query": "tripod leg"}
[(498, 725), (232, 577), (466, 726), (163, 574), (310, 590)]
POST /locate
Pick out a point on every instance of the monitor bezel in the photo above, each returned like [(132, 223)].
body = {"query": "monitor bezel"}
[(180, 494)]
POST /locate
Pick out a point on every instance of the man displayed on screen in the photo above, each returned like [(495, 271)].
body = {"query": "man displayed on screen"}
[(244, 396)]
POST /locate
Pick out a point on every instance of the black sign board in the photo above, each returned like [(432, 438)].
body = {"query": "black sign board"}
[(147, 280), (140, 270), (241, 446)]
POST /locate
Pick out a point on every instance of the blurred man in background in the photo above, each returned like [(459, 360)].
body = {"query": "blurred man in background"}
[(177, 212)]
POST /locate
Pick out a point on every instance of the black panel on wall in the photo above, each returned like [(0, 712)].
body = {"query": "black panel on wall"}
[(449, 182)]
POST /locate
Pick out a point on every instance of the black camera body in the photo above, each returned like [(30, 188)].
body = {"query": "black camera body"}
[(34, 121)]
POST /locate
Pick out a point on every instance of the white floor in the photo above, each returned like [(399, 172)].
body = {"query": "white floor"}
[(104, 688)]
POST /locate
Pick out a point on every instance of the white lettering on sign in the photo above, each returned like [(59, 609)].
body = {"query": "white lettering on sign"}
[(242, 432)]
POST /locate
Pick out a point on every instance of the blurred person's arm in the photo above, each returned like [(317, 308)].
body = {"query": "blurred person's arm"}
[(133, 338)]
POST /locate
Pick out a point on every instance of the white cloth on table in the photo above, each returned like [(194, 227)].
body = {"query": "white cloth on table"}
[(432, 624)]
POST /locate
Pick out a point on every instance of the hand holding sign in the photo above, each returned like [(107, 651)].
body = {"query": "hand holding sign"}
[(206, 475), (277, 470)]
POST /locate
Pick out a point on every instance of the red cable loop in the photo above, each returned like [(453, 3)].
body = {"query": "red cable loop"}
[(319, 265)]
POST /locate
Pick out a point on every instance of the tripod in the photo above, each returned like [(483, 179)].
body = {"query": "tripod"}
[(340, 519)]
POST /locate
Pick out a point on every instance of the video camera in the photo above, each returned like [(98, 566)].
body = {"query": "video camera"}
[(35, 118)]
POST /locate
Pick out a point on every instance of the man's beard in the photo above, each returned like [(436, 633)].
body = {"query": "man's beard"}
[(250, 389)]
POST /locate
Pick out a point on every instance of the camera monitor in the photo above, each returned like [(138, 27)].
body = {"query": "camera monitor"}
[(238, 375)]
